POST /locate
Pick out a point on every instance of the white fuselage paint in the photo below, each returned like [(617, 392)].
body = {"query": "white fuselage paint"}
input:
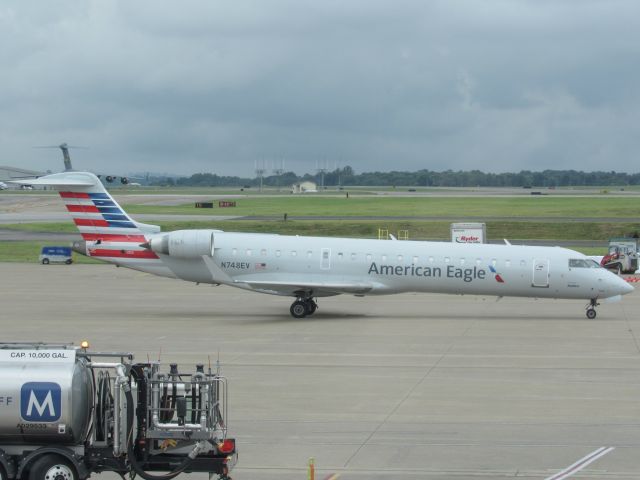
[(307, 267), (397, 266)]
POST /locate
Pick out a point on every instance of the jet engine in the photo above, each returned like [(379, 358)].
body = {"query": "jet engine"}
[(183, 243)]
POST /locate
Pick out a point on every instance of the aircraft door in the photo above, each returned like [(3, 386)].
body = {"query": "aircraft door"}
[(540, 273), (325, 260)]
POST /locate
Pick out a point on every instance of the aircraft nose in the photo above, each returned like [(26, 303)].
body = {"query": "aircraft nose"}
[(625, 287)]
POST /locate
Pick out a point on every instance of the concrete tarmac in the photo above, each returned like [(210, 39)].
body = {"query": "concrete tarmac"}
[(412, 386)]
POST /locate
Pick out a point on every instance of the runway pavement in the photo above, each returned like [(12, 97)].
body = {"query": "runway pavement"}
[(404, 387)]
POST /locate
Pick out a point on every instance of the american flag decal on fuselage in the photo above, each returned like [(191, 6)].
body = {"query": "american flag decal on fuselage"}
[(101, 221)]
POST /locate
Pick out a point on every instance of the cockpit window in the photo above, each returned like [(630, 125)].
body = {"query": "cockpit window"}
[(583, 263)]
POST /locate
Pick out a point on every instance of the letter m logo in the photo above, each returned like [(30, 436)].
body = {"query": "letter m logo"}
[(40, 402)]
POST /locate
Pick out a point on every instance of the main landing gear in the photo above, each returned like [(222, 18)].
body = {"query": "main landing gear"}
[(302, 307), (591, 309)]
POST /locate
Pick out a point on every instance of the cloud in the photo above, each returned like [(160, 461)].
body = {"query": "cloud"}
[(214, 86)]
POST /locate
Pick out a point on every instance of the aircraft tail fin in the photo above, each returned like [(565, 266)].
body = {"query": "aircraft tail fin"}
[(108, 232)]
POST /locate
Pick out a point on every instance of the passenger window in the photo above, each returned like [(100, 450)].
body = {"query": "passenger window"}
[(400, 258), (339, 255), (461, 261), (523, 263), (278, 253), (431, 259), (309, 253), (507, 263), (234, 252), (494, 262), (384, 258), (478, 261), (368, 257), (447, 260), (248, 252), (294, 253), (415, 260), (263, 252), (353, 256)]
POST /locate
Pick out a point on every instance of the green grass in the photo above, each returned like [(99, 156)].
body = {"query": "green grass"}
[(525, 212), (380, 205), (49, 227), (28, 252), (418, 230)]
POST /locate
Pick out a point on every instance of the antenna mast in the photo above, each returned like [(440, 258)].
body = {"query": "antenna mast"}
[(260, 171), (277, 172), (321, 171)]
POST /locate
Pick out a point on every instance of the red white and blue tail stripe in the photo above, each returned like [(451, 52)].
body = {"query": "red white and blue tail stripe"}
[(108, 232)]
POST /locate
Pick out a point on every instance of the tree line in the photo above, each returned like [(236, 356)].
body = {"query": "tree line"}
[(422, 178)]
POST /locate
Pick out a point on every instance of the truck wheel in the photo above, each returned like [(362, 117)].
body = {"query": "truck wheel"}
[(45, 261), (68, 262), (52, 467)]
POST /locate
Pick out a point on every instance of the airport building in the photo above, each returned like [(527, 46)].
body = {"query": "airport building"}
[(304, 187)]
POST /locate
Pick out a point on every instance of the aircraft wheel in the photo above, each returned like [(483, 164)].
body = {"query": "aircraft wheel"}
[(591, 313), (311, 307), (298, 309)]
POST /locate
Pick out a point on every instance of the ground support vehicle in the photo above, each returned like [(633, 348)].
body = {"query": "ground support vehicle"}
[(66, 412), (56, 255), (622, 256)]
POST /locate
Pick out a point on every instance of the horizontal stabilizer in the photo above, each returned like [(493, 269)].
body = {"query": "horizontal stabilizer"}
[(49, 181)]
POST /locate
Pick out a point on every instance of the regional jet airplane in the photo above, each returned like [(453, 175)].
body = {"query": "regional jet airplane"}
[(310, 267)]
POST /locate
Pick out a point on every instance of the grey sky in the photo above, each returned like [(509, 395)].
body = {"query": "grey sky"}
[(216, 85)]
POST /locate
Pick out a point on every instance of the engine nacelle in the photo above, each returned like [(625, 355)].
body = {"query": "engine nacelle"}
[(184, 243)]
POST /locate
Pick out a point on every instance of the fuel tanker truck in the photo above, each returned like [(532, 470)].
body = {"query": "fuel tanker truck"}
[(66, 412)]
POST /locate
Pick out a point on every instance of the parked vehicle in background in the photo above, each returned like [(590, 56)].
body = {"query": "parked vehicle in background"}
[(622, 256), (56, 255)]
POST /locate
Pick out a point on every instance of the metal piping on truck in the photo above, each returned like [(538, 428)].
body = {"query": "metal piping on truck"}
[(65, 416)]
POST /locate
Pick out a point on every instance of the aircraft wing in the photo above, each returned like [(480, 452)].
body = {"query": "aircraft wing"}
[(318, 288)]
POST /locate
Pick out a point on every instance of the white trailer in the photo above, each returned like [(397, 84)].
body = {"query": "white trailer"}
[(468, 233)]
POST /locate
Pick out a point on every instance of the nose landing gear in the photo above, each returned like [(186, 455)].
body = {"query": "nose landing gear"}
[(591, 309), (302, 307)]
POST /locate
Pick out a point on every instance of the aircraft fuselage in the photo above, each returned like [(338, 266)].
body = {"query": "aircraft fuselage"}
[(387, 266)]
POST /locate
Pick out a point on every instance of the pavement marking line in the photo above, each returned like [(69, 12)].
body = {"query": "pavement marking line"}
[(580, 464), (399, 404)]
